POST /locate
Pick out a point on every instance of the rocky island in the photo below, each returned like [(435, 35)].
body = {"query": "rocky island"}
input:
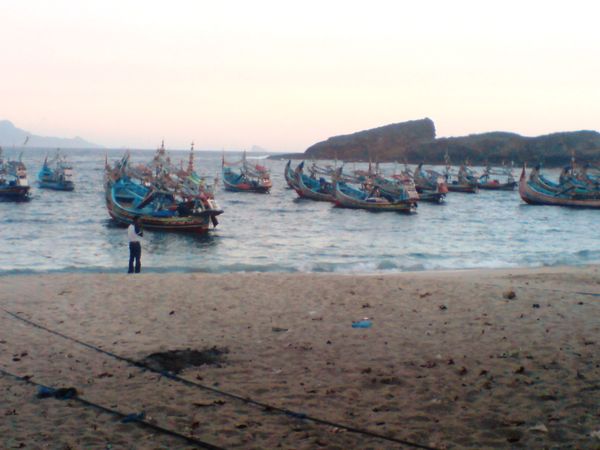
[(415, 141)]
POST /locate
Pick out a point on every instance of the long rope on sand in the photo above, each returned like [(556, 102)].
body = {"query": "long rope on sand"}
[(125, 418), (265, 406)]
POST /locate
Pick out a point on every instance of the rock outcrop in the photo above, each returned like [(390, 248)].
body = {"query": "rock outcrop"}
[(383, 143)]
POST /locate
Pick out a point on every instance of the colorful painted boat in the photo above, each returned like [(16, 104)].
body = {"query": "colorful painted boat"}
[(497, 180), (162, 196), (290, 176), (461, 182), (347, 196), (56, 174), (535, 193), (13, 179), (464, 181), (429, 180), (312, 188), (395, 187), (430, 185), (247, 178)]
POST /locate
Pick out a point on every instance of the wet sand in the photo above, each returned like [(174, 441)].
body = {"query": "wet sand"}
[(450, 361)]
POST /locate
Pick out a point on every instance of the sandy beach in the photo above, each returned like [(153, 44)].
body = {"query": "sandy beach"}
[(451, 360)]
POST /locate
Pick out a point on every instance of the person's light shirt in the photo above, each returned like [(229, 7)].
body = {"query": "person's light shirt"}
[(132, 235)]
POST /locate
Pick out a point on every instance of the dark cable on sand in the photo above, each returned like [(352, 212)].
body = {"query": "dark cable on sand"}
[(265, 406), (125, 418)]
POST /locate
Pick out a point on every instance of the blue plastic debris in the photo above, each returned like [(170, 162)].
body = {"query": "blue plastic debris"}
[(362, 324)]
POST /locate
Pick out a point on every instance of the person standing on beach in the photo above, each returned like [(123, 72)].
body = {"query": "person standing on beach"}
[(134, 234)]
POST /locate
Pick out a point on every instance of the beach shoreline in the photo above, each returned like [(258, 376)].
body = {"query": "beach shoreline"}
[(490, 358)]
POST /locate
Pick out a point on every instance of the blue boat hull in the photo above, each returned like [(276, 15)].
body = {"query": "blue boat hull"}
[(56, 186)]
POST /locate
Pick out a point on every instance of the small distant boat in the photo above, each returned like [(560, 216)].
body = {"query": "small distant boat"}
[(312, 188), (347, 196), (537, 190), (13, 179), (489, 180), (56, 174), (249, 177), (162, 196)]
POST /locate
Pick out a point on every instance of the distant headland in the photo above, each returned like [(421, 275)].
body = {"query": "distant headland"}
[(13, 136), (415, 142)]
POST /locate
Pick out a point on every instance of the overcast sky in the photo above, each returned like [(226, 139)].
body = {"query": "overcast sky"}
[(284, 75)]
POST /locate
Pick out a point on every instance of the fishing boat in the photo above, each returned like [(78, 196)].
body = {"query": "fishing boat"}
[(308, 186), (348, 196), (290, 176), (13, 179), (247, 178), (430, 185), (536, 192), (163, 197), (397, 186), (464, 181), (497, 179), (56, 174)]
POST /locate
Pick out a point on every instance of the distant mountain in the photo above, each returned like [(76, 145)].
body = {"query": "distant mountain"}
[(11, 135), (415, 142)]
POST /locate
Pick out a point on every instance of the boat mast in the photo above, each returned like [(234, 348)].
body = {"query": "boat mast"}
[(190, 167)]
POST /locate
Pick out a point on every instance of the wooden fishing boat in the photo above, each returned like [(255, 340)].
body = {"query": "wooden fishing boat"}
[(290, 176), (487, 180), (248, 178), (568, 182), (398, 186), (56, 174), (430, 185), (161, 196), (536, 193), (494, 185), (347, 196), (464, 181), (311, 188), (13, 180), (158, 210), (429, 180)]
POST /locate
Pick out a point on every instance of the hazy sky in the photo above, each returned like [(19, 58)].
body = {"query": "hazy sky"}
[(284, 75)]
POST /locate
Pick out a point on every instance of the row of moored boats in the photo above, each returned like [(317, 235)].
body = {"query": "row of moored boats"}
[(167, 196), (55, 173), (372, 190)]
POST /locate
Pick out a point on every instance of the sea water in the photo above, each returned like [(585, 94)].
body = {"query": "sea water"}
[(278, 232)]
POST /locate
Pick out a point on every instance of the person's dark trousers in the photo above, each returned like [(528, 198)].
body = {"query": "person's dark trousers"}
[(135, 252)]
